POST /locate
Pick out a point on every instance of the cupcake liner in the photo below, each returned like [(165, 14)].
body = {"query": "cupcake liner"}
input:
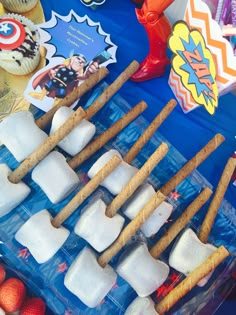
[(22, 60), (19, 6)]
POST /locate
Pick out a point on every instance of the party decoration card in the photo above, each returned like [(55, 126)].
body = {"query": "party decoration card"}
[(75, 48)]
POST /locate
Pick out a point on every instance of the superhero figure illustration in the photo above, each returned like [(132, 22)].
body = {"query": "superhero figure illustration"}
[(60, 80), (158, 30)]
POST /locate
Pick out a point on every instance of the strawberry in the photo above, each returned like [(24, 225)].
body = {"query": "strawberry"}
[(12, 294), (2, 274), (33, 306)]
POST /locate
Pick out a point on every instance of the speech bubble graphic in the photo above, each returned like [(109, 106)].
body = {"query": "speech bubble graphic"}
[(64, 36)]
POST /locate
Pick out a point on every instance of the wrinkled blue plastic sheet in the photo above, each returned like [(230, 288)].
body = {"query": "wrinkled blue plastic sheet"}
[(47, 279)]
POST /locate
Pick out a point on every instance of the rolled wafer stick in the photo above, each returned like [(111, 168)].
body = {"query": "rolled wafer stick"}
[(50, 143), (136, 180), (216, 200), (112, 89), (180, 223), (85, 192), (101, 140), (192, 280), (148, 133), (192, 164), (157, 199), (68, 100)]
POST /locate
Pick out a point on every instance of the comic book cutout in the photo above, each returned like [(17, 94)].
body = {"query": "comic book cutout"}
[(194, 64), (75, 47)]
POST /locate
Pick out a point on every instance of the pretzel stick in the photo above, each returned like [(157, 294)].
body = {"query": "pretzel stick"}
[(192, 280), (101, 140), (216, 200), (136, 180), (85, 192), (180, 223), (46, 146), (111, 89), (192, 164), (156, 200), (68, 100), (148, 133)]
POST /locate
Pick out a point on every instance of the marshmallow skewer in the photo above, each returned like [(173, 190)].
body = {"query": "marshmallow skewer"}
[(136, 180), (192, 280), (149, 132), (45, 241), (158, 198), (180, 223), (49, 144), (101, 140), (90, 187), (216, 200), (68, 100)]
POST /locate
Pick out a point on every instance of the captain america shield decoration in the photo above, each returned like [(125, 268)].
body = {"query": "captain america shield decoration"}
[(12, 33)]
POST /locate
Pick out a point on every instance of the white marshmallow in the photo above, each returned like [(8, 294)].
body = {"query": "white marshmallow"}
[(78, 138), (144, 273), (55, 177), (141, 306), (40, 237), (96, 228), (121, 175), (2, 311), (188, 253), (138, 200), (11, 195), (20, 134), (88, 280)]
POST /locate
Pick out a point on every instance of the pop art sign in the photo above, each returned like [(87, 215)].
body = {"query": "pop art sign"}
[(198, 18), (75, 48), (194, 65)]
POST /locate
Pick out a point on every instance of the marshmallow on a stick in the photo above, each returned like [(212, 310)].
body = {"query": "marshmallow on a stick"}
[(44, 235), (20, 134), (64, 174), (86, 271), (130, 267), (100, 229), (146, 306), (14, 178), (68, 100), (159, 197), (192, 280), (80, 136), (190, 251)]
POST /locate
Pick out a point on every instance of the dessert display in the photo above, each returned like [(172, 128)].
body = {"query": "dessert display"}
[(99, 210), (19, 49), (85, 269)]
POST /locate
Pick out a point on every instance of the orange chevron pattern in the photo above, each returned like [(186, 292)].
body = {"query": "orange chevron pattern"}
[(227, 74), (184, 97)]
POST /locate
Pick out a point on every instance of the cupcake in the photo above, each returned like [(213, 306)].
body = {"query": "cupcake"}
[(19, 6), (19, 44)]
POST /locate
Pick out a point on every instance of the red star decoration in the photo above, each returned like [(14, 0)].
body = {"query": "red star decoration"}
[(62, 267), (161, 290), (174, 195), (24, 253), (174, 278)]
